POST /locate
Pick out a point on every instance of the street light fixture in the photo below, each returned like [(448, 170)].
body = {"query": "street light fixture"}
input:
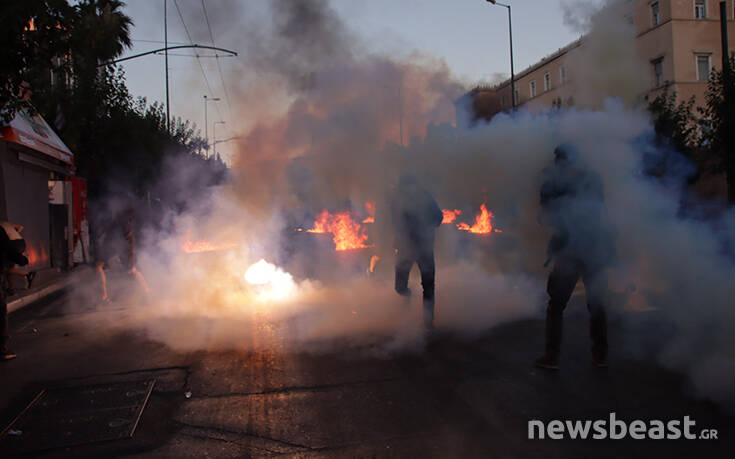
[(214, 137), (512, 73), (206, 126)]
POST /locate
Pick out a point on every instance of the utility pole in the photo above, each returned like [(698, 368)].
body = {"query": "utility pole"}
[(512, 71), (165, 41), (723, 36), (206, 126), (214, 137), (400, 109)]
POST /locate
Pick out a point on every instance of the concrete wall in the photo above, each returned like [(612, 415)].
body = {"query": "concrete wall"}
[(25, 196)]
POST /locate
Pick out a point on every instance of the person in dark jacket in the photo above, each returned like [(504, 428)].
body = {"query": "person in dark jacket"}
[(12, 246), (572, 204), (415, 216)]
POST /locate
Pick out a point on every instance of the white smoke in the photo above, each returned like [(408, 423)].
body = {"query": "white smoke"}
[(336, 145)]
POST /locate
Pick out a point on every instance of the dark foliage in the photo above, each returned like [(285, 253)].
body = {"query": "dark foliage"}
[(51, 52)]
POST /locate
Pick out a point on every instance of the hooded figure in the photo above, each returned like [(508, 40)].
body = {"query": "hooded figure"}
[(572, 204), (415, 216)]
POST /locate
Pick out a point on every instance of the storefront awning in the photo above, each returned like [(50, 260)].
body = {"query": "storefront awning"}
[(34, 132)]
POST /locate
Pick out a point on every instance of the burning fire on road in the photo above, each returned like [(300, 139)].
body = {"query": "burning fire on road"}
[(483, 223), (347, 233), (203, 245), (450, 215)]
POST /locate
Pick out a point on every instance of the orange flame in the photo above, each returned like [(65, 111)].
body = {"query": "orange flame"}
[(347, 234), (36, 257), (450, 215), (370, 206), (203, 245), (483, 222)]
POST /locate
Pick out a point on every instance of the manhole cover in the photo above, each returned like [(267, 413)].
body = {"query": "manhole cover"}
[(70, 416)]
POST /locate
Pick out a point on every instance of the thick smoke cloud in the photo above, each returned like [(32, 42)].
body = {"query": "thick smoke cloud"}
[(607, 63), (329, 136)]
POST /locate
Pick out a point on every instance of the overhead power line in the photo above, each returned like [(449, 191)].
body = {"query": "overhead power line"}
[(219, 68), (204, 74), (160, 41)]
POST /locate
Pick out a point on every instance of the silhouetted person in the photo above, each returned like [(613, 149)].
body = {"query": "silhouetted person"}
[(415, 215), (572, 203), (12, 246), (117, 239)]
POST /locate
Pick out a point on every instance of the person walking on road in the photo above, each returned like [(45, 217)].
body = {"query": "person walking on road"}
[(415, 216)]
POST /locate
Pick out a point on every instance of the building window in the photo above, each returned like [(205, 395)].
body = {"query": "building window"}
[(655, 14), (703, 67), (516, 97), (563, 74), (658, 72), (700, 9), (532, 88), (547, 81)]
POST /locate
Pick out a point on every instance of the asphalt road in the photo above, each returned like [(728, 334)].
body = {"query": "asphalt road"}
[(454, 398)]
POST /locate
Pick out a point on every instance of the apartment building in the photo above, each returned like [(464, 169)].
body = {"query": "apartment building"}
[(678, 41)]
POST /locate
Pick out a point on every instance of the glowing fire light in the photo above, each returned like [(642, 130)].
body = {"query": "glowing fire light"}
[(203, 245), (347, 234), (483, 222), (450, 215), (36, 257), (270, 282), (370, 206)]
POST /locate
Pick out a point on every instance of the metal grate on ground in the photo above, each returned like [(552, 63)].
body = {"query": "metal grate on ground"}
[(68, 416)]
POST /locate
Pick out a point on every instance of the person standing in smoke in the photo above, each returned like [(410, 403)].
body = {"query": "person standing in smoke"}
[(415, 215), (117, 239), (572, 204)]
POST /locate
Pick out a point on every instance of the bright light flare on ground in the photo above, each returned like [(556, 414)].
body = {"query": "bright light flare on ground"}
[(270, 282)]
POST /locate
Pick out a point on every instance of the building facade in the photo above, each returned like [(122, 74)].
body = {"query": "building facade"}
[(677, 41)]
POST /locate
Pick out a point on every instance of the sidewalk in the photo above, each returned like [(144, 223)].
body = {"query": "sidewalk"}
[(51, 281)]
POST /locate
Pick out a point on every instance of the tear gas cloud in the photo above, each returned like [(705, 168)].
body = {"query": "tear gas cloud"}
[(323, 120)]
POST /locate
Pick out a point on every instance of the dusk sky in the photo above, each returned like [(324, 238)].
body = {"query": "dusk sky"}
[(470, 35)]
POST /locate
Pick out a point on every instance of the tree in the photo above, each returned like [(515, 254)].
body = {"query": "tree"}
[(719, 131), (101, 30), (55, 49), (35, 33), (675, 123)]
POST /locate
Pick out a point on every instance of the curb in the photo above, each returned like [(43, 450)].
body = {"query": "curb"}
[(35, 296)]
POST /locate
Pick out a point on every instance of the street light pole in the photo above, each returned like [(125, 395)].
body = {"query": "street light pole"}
[(206, 126), (165, 40), (512, 72), (214, 137)]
